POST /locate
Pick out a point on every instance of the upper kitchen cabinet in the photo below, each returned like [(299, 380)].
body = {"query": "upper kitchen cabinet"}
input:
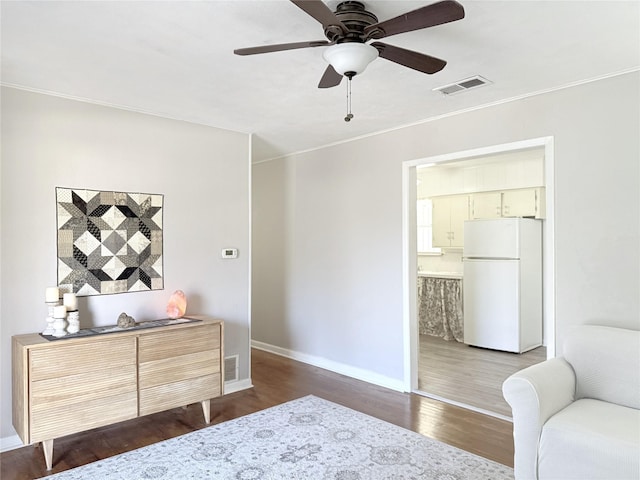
[(449, 215), (522, 202), (425, 224), (486, 205)]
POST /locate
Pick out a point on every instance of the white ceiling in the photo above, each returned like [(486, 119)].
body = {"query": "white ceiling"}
[(175, 59)]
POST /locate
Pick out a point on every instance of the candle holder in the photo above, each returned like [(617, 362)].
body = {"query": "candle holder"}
[(49, 330), (59, 315), (73, 318)]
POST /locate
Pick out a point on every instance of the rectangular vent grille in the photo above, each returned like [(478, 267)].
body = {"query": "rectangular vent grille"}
[(231, 368), (462, 85)]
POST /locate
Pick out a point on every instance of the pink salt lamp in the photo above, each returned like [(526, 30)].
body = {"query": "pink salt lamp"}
[(177, 304)]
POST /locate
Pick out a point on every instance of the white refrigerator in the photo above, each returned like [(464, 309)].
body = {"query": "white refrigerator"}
[(502, 290)]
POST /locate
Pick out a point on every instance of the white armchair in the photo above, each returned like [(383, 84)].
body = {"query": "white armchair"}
[(578, 416)]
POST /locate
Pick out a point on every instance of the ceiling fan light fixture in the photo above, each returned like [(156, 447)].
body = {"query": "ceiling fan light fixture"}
[(350, 57)]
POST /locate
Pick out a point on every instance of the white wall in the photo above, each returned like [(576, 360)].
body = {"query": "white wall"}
[(337, 300), (203, 173), (329, 299)]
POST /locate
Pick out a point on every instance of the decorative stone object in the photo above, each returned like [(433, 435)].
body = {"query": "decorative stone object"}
[(125, 321), (177, 304)]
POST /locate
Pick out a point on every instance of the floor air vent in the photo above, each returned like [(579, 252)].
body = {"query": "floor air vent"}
[(231, 368), (462, 85)]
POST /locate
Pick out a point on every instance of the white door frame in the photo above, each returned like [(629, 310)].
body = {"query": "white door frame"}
[(410, 254)]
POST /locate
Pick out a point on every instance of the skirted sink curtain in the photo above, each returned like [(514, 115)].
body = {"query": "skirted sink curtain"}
[(440, 308)]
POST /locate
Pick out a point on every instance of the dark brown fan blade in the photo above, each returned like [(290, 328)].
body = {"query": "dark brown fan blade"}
[(428, 16), (318, 10), (409, 58), (330, 78), (280, 47)]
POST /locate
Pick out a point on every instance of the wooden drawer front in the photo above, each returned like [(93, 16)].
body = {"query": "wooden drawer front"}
[(182, 367), (50, 422), (76, 387), (171, 395), (75, 390), (168, 344), (62, 360)]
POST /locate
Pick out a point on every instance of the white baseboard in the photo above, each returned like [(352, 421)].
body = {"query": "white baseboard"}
[(337, 367), (10, 443), (237, 385)]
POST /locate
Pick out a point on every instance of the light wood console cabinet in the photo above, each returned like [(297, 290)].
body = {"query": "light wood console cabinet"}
[(70, 385)]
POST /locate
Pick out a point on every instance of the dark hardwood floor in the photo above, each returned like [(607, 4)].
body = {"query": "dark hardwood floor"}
[(276, 380)]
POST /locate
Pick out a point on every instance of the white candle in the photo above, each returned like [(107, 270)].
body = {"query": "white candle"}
[(52, 294), (59, 311), (70, 301)]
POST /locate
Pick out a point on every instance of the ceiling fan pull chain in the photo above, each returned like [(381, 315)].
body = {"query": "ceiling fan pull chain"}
[(349, 114)]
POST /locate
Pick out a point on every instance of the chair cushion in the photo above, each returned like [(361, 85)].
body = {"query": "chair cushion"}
[(606, 361), (591, 439)]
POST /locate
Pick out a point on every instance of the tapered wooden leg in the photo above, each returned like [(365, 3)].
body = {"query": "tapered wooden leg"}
[(47, 447), (206, 409)]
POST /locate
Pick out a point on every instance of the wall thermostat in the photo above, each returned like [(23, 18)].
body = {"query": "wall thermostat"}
[(229, 253)]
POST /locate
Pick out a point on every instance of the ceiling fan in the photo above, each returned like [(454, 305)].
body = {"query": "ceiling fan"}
[(351, 26)]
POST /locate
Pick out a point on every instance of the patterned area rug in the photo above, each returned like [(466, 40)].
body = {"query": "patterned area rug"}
[(308, 438)]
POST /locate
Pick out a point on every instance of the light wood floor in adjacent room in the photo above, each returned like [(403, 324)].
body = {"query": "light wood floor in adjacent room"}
[(276, 380), (470, 375)]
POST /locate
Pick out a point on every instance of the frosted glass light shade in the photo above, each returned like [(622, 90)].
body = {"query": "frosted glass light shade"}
[(350, 57)]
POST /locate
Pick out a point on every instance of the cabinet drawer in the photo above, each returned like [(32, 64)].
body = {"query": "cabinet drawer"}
[(59, 360), (75, 390), (181, 367), (171, 395), (51, 421), (75, 387), (162, 345)]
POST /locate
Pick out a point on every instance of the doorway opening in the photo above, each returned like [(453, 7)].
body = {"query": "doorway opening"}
[(450, 370)]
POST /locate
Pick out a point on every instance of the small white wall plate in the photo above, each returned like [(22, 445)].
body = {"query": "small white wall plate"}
[(229, 253)]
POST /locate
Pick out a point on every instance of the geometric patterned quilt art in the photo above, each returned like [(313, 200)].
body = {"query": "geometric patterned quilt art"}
[(109, 242)]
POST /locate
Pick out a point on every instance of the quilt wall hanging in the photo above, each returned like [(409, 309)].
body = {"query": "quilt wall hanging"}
[(109, 242)]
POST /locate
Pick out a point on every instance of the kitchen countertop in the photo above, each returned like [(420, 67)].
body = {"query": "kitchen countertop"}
[(425, 273)]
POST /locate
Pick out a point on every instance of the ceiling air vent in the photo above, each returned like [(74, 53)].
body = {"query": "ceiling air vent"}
[(462, 85)]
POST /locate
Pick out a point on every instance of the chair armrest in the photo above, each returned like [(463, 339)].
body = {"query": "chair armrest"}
[(535, 394)]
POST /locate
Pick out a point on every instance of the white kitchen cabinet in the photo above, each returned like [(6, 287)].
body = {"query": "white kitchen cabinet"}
[(449, 215), (486, 205), (521, 202), (424, 224), (441, 221)]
